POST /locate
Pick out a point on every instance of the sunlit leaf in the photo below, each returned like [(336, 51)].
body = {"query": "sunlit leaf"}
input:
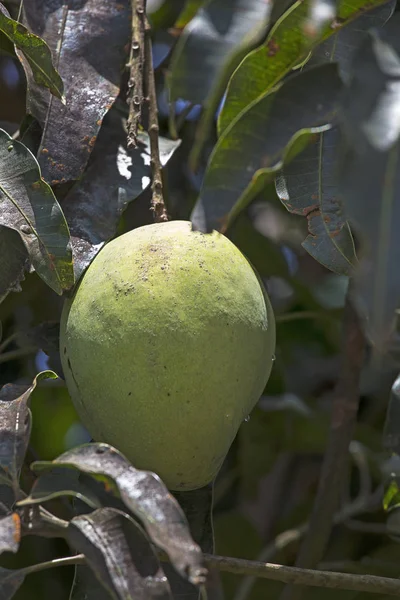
[(286, 46), (36, 53), (114, 177), (91, 42)]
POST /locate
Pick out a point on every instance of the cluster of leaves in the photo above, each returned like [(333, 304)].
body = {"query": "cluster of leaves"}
[(110, 495), (294, 100)]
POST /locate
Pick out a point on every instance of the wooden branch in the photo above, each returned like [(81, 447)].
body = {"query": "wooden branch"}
[(238, 566), (298, 576), (333, 472), (293, 536), (157, 201), (135, 97)]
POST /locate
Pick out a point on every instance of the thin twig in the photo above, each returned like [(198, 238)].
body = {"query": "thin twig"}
[(291, 536), (5, 343), (135, 96), (343, 421), (309, 577), (239, 566), (157, 201), (20, 353)]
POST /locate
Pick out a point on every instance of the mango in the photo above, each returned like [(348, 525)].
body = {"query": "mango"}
[(167, 344)]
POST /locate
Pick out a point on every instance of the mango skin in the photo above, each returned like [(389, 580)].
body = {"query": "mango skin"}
[(166, 346)]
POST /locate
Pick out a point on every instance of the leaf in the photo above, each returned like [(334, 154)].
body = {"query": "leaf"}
[(145, 495), (261, 140), (90, 41), (14, 261), (28, 205), (114, 177), (35, 51), (391, 434), (10, 533), (10, 582), (286, 46), (208, 50), (341, 46), (56, 483), (321, 14), (119, 554), (307, 186), (210, 44), (15, 427), (370, 175)]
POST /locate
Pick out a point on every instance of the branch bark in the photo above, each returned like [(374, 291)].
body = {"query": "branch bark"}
[(333, 473), (239, 566), (157, 201), (136, 62)]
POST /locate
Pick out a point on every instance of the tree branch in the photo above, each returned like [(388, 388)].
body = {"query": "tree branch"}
[(298, 576), (360, 505), (238, 566), (136, 62), (333, 472), (157, 201)]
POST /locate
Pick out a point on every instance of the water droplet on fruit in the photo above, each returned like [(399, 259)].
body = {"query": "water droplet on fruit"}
[(273, 357), (247, 419)]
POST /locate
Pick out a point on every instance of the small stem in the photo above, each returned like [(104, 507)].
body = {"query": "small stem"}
[(157, 201), (8, 341), (334, 468), (306, 314), (291, 536), (14, 354), (135, 97), (78, 559)]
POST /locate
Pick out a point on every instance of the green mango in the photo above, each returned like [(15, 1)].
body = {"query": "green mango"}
[(166, 346)]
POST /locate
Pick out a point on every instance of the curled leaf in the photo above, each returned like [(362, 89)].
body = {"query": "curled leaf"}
[(146, 496)]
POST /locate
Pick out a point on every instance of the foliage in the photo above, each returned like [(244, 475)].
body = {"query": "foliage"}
[(278, 126)]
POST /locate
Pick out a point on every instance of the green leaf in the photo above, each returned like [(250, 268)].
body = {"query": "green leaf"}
[(35, 51), (369, 175), (307, 187), (208, 50), (286, 46), (269, 132), (28, 205), (14, 261)]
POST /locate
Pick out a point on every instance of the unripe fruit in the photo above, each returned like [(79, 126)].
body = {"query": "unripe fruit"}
[(166, 346)]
